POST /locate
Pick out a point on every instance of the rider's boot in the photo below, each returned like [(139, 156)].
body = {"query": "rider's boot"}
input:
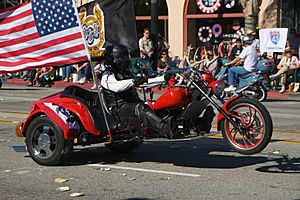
[(150, 119), (282, 88)]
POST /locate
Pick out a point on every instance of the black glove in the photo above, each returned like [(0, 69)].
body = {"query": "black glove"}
[(139, 80)]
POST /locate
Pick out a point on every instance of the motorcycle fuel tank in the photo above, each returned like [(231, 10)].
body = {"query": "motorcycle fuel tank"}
[(174, 97)]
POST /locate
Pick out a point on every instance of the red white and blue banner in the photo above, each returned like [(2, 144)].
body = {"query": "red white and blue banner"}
[(41, 33), (273, 39)]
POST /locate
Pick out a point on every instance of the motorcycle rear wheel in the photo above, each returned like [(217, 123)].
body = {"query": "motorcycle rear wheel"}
[(45, 142), (124, 146), (257, 121)]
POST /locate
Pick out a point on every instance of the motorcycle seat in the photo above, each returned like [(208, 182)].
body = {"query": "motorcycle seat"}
[(87, 97)]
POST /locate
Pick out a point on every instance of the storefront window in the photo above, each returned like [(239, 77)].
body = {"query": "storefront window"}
[(211, 22), (142, 10)]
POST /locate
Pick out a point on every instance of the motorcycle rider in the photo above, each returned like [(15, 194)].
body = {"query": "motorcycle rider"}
[(249, 56), (121, 96)]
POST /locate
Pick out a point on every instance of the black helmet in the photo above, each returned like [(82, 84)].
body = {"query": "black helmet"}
[(117, 56)]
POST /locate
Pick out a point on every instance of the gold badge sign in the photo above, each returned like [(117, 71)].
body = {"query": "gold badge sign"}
[(93, 29)]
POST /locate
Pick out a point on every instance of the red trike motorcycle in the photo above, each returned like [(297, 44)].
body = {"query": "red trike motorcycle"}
[(75, 116)]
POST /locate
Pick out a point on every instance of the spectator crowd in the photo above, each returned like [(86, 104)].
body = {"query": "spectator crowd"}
[(211, 56)]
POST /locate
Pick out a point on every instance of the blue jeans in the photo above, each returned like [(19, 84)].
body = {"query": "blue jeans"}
[(234, 73), (67, 70), (85, 72)]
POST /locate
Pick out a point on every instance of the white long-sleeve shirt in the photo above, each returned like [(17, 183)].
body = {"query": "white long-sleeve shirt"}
[(110, 82)]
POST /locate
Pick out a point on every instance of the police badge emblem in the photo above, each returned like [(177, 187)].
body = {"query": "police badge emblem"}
[(274, 37)]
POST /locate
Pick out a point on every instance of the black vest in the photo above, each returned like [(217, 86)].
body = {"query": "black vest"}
[(117, 99)]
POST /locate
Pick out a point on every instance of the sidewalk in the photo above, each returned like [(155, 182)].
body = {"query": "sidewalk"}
[(61, 84)]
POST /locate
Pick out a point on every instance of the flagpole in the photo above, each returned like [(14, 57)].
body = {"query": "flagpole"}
[(94, 77), (99, 91)]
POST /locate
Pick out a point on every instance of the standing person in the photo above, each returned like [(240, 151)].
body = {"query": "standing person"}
[(249, 55), (66, 72), (146, 45), (236, 50), (122, 98), (287, 64)]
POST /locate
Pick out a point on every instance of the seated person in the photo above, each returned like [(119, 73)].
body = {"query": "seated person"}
[(249, 55), (121, 96), (211, 63), (286, 66)]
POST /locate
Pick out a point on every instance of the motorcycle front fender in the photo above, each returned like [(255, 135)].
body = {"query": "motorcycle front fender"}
[(221, 117)]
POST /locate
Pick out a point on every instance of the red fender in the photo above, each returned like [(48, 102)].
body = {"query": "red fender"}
[(224, 107), (71, 105)]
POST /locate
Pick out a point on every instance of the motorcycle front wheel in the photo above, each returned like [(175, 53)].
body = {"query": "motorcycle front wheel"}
[(256, 123)]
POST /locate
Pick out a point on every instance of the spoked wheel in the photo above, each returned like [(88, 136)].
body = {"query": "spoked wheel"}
[(45, 141), (256, 123)]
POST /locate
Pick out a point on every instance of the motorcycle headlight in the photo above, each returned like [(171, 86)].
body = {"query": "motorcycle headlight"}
[(219, 88)]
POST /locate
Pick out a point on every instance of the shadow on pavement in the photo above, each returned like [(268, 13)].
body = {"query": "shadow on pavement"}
[(284, 165), (198, 153)]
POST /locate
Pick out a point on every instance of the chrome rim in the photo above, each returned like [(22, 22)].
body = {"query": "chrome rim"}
[(44, 142)]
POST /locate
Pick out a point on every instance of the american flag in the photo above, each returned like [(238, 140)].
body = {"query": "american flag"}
[(40, 33)]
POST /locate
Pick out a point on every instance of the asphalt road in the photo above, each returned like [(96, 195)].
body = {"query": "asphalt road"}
[(199, 168)]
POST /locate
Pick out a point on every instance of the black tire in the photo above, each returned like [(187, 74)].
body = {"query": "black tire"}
[(262, 94), (257, 143), (0, 82), (124, 147), (45, 142)]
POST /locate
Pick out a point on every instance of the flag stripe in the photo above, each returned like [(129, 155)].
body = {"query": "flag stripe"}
[(19, 40), (67, 41), (14, 18), (44, 57), (54, 63), (63, 59), (37, 41), (20, 28), (12, 11), (17, 22)]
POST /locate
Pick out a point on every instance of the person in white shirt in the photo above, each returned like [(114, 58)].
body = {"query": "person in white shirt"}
[(121, 97), (249, 56)]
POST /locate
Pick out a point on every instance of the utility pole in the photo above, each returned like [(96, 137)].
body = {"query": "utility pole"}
[(154, 29)]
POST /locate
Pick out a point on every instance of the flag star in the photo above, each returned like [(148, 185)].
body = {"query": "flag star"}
[(44, 14), (51, 12), (72, 19), (34, 8), (65, 8), (58, 10), (67, 16), (60, 5), (52, 20), (60, 18), (44, 27), (42, 19), (42, 32), (49, 4), (57, 23), (50, 25), (53, 7), (40, 11), (49, 17), (68, 2), (55, 15), (49, 30), (62, 26), (54, 28), (63, 13), (37, 16), (44, 1), (69, 23), (39, 24), (37, 3), (65, 21), (56, 2)]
